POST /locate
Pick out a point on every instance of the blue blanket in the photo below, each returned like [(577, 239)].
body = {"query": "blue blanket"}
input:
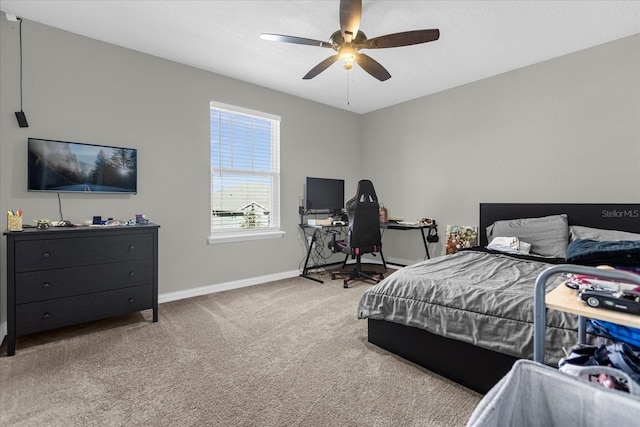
[(595, 252)]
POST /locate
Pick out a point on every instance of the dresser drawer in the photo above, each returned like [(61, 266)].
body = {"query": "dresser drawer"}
[(34, 286), (56, 313), (32, 255)]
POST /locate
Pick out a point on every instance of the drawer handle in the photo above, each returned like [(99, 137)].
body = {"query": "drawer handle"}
[(130, 300), (46, 316), (46, 255), (131, 274), (46, 284)]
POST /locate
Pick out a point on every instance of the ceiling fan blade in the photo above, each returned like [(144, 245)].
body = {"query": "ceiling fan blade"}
[(406, 38), (321, 67), (372, 67), (350, 13), (294, 40)]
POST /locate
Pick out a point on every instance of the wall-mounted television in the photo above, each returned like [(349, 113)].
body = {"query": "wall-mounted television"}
[(324, 194), (62, 166)]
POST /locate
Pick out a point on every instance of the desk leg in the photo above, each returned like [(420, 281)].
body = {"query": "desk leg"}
[(305, 269), (426, 245)]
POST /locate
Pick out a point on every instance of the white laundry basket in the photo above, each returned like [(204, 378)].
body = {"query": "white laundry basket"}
[(533, 394)]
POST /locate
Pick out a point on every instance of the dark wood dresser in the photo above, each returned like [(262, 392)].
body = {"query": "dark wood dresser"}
[(63, 276)]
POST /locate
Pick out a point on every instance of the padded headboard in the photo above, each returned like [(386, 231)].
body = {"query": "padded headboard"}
[(616, 216)]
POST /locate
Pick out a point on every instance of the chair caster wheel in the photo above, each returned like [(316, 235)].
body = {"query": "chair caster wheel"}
[(345, 284), (333, 276)]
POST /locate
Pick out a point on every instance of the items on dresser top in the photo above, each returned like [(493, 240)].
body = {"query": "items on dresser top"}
[(14, 220)]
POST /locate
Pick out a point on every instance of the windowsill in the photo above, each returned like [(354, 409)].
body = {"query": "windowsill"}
[(218, 238)]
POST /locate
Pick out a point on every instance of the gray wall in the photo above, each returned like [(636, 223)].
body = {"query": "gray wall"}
[(565, 130), (83, 90)]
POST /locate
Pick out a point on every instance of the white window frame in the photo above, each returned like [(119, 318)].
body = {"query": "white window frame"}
[(242, 235)]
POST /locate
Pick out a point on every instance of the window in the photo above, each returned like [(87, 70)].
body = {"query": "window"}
[(245, 174)]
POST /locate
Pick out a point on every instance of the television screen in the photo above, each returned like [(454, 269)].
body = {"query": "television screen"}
[(61, 166), (324, 194)]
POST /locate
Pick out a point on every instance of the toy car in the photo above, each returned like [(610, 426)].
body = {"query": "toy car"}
[(580, 282), (626, 301)]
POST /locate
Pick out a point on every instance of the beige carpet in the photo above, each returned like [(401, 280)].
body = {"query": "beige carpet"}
[(287, 353)]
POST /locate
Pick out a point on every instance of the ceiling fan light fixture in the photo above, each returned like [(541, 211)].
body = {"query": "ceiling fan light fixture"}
[(348, 55)]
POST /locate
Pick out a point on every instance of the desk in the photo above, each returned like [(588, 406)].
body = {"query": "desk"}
[(396, 226), (315, 234)]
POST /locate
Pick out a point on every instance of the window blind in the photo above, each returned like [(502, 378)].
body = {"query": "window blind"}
[(245, 170)]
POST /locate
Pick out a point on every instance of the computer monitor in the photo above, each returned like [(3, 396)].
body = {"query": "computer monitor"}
[(324, 194)]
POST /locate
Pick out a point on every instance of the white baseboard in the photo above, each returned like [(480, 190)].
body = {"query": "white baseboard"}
[(219, 287)]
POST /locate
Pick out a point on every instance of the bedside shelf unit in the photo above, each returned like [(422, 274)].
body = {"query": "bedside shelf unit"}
[(564, 299), (65, 276)]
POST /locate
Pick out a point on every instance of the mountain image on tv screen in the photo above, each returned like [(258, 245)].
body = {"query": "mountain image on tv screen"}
[(73, 167)]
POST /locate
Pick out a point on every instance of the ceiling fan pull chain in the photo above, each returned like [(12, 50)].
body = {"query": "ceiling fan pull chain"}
[(348, 98)]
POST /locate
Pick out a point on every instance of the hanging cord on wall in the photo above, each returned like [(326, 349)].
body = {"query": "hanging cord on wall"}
[(20, 116), (60, 208), (20, 32)]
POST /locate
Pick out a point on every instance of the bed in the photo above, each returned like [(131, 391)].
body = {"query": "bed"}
[(469, 316)]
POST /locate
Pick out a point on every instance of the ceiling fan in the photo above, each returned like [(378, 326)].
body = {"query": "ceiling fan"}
[(348, 40)]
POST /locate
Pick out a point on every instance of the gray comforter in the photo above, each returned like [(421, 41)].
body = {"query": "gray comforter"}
[(480, 298)]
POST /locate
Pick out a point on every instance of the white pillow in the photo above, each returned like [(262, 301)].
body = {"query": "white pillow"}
[(510, 245)]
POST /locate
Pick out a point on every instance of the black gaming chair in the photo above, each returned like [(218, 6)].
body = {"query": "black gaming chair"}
[(363, 235)]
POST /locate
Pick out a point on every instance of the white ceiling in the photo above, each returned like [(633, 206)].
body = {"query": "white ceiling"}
[(478, 39)]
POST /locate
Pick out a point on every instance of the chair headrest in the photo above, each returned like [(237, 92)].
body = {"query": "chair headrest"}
[(366, 193)]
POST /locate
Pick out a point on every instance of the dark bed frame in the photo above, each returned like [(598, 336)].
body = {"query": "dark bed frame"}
[(475, 367)]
